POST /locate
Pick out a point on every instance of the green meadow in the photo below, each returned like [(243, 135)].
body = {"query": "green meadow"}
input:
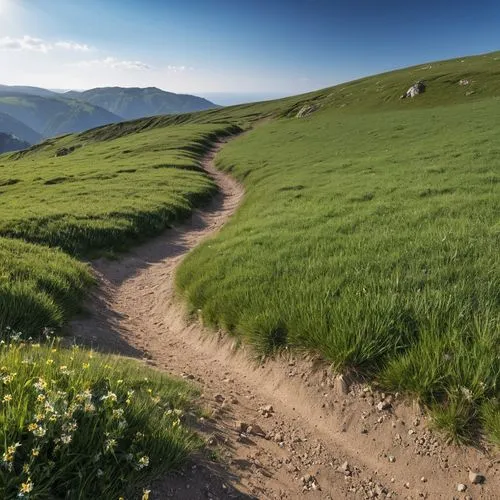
[(369, 233), (99, 197), (371, 240), (104, 194)]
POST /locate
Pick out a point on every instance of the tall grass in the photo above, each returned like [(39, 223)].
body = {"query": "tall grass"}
[(78, 425), (105, 195), (371, 239), (39, 286)]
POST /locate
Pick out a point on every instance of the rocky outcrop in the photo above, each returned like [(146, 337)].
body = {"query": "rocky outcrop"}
[(414, 90)]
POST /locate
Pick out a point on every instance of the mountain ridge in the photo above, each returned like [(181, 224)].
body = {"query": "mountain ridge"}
[(51, 116), (36, 113), (137, 102)]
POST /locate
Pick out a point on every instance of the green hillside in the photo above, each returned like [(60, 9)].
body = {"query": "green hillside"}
[(133, 103), (51, 116), (369, 233), (86, 197)]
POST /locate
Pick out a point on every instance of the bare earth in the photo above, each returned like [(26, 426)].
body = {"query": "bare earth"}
[(322, 438)]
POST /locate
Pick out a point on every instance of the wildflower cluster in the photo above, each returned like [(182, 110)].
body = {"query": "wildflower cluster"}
[(83, 412)]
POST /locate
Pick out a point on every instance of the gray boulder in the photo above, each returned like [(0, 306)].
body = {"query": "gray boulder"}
[(418, 88)]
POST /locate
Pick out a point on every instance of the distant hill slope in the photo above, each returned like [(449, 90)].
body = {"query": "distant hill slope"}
[(50, 116), (23, 89), (134, 103), (10, 143), (10, 125)]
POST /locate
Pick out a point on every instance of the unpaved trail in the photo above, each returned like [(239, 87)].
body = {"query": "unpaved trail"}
[(323, 438)]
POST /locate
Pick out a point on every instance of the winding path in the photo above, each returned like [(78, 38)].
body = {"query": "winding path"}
[(315, 425)]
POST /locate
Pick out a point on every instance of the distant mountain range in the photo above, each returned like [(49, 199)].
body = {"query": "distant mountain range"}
[(51, 116), (32, 113), (131, 103)]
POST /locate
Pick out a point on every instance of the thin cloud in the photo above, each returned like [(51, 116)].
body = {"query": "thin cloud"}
[(32, 44), (176, 69), (114, 63), (179, 69), (24, 43), (77, 47)]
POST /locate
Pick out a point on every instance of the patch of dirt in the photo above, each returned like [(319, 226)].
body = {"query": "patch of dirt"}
[(281, 430)]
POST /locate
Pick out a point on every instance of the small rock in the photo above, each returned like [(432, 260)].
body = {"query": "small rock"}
[(414, 90), (392, 459), (423, 479), (256, 430), (234, 401), (266, 411), (306, 479), (219, 398), (461, 487), (476, 478), (345, 466), (383, 405), (278, 437), (241, 426), (407, 486)]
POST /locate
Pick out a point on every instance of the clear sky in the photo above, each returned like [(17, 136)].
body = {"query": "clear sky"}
[(243, 46)]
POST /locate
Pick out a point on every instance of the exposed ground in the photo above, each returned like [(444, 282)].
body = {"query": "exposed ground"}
[(321, 438)]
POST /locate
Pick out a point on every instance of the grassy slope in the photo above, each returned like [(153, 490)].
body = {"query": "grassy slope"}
[(39, 286), (368, 230), (103, 196), (369, 234)]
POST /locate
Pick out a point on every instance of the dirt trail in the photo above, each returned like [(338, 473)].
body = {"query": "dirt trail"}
[(324, 438)]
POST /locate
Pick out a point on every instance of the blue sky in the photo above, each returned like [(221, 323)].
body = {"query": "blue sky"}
[(254, 46)]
